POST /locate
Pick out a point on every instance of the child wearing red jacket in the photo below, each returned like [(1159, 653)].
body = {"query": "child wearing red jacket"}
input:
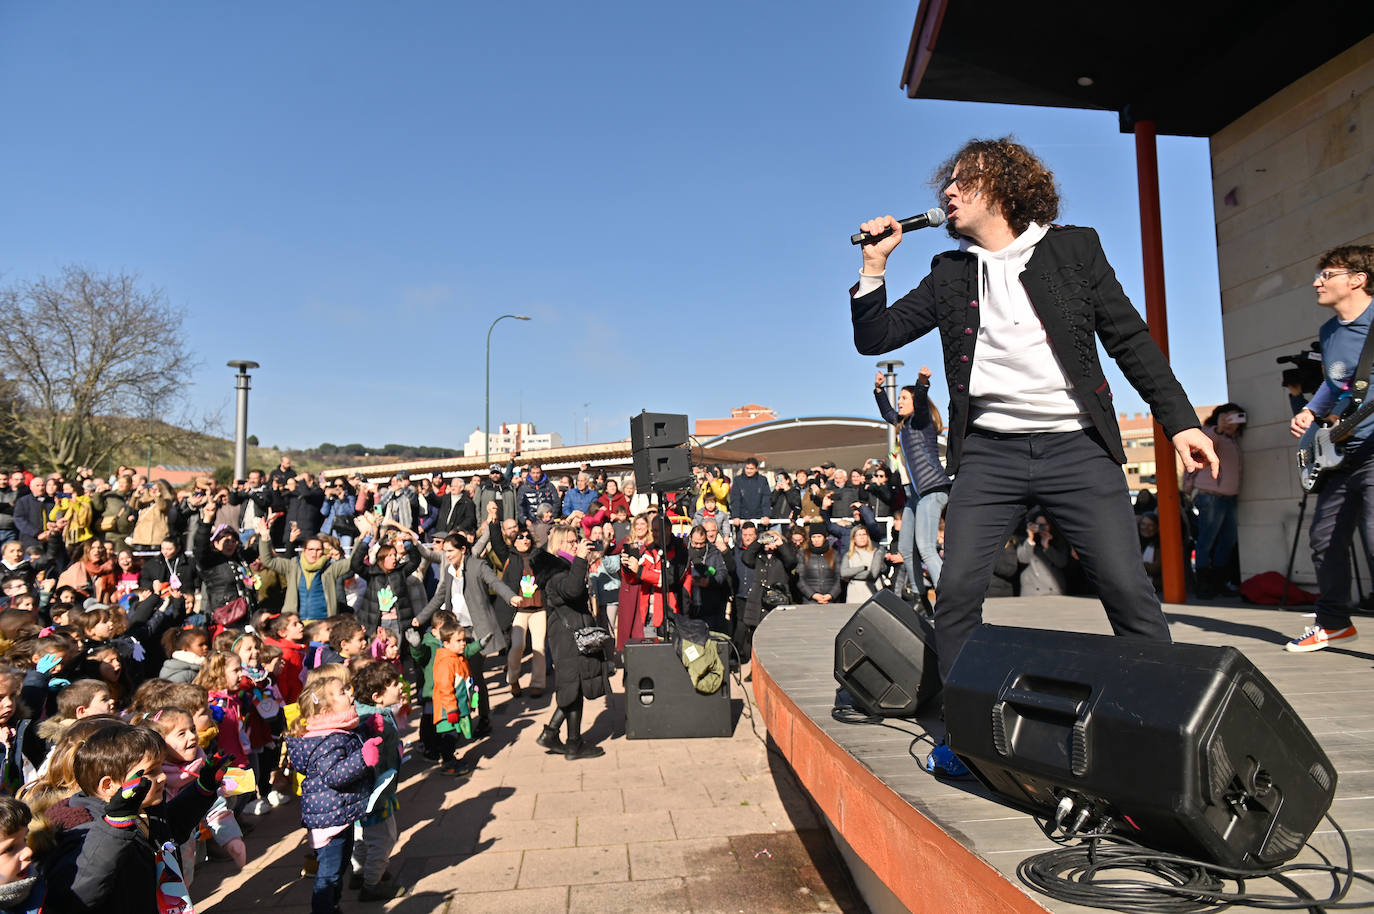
[(286, 632)]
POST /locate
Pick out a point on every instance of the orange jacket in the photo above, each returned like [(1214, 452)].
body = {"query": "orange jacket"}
[(448, 668)]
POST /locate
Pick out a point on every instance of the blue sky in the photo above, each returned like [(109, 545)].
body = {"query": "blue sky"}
[(349, 193)]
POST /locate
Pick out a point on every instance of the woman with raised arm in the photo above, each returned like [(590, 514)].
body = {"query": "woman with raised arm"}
[(924, 480)]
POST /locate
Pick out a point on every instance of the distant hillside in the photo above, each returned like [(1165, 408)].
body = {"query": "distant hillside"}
[(212, 451)]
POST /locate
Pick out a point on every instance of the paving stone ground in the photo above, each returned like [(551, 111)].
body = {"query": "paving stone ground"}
[(682, 826)]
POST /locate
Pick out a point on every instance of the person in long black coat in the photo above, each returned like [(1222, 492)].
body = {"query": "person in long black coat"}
[(576, 676), (773, 560)]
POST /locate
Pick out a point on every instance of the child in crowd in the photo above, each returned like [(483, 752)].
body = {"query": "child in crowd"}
[(14, 563), (126, 574), (325, 745), (386, 647), (272, 658), (117, 839), (50, 657), (83, 698), (98, 624), (195, 701), (186, 650), (260, 706), (424, 654), (106, 662), (317, 642), (377, 692), (21, 751), (455, 696), (224, 640), (221, 677), (21, 886), (58, 781), (150, 696), (347, 639), (182, 765), (286, 633)]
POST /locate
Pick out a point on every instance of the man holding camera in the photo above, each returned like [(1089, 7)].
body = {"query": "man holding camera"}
[(710, 566), (252, 495), (772, 561)]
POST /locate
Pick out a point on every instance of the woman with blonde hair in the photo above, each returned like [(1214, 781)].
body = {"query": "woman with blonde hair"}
[(629, 620), (862, 567), (638, 502), (562, 538)]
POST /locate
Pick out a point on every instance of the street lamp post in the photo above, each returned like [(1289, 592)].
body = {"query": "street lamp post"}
[(486, 424), (889, 368), (241, 385)]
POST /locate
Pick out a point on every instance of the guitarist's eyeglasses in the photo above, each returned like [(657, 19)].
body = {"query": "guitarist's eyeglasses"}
[(1324, 275)]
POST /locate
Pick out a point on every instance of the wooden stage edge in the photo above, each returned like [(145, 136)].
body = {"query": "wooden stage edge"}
[(948, 846)]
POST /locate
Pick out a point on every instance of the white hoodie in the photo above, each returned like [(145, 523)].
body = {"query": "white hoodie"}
[(1018, 384)]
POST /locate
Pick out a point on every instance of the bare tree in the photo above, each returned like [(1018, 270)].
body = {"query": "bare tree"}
[(92, 357)]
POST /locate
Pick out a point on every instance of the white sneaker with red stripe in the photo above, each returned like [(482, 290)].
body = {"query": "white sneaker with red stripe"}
[(1316, 638)]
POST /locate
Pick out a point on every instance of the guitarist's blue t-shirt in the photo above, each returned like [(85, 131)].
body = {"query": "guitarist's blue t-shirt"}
[(1341, 346)]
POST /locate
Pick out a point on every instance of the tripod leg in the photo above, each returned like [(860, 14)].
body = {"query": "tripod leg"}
[(1293, 553)]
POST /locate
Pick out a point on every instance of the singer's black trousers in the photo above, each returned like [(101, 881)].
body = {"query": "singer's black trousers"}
[(1081, 487)]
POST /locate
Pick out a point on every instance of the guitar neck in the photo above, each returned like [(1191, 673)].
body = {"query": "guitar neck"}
[(1346, 427)]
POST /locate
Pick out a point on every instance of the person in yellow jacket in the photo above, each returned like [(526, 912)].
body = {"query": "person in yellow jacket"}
[(80, 517), (716, 482)]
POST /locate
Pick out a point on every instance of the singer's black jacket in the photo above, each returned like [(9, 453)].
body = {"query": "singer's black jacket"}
[(1076, 295)]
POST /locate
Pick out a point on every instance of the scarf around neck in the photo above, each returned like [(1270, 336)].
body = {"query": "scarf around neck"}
[(310, 569), (332, 722)]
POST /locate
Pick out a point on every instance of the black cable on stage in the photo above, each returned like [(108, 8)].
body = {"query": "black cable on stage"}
[(1091, 874), (848, 714)]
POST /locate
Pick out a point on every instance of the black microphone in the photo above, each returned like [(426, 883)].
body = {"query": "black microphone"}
[(928, 218)]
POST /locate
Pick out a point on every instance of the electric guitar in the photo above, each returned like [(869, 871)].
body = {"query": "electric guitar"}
[(1320, 450)]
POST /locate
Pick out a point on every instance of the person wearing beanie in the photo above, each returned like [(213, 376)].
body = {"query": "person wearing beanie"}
[(818, 570)]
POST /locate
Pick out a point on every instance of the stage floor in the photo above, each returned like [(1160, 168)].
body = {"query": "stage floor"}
[(1333, 690)]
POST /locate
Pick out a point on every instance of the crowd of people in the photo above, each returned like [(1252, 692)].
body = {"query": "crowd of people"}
[(190, 660), (182, 662)]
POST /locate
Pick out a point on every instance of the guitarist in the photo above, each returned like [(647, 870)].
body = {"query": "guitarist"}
[(1346, 499)]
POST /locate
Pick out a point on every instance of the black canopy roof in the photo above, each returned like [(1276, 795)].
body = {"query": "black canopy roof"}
[(1193, 67)]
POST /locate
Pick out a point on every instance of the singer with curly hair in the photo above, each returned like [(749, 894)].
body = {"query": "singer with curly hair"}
[(1020, 306)]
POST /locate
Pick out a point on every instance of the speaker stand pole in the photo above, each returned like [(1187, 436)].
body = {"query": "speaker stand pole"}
[(664, 553), (1293, 552)]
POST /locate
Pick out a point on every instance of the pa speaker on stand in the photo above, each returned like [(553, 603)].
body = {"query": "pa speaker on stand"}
[(658, 443)]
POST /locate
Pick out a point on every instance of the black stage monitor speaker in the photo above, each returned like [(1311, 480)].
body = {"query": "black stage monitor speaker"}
[(660, 702), (1181, 747), (885, 657), (662, 469), (657, 430)]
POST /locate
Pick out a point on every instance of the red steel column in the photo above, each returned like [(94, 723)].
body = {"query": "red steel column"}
[(1156, 314)]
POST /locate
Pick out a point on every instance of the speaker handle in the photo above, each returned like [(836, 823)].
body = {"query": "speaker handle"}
[(1040, 701), (1074, 711)]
